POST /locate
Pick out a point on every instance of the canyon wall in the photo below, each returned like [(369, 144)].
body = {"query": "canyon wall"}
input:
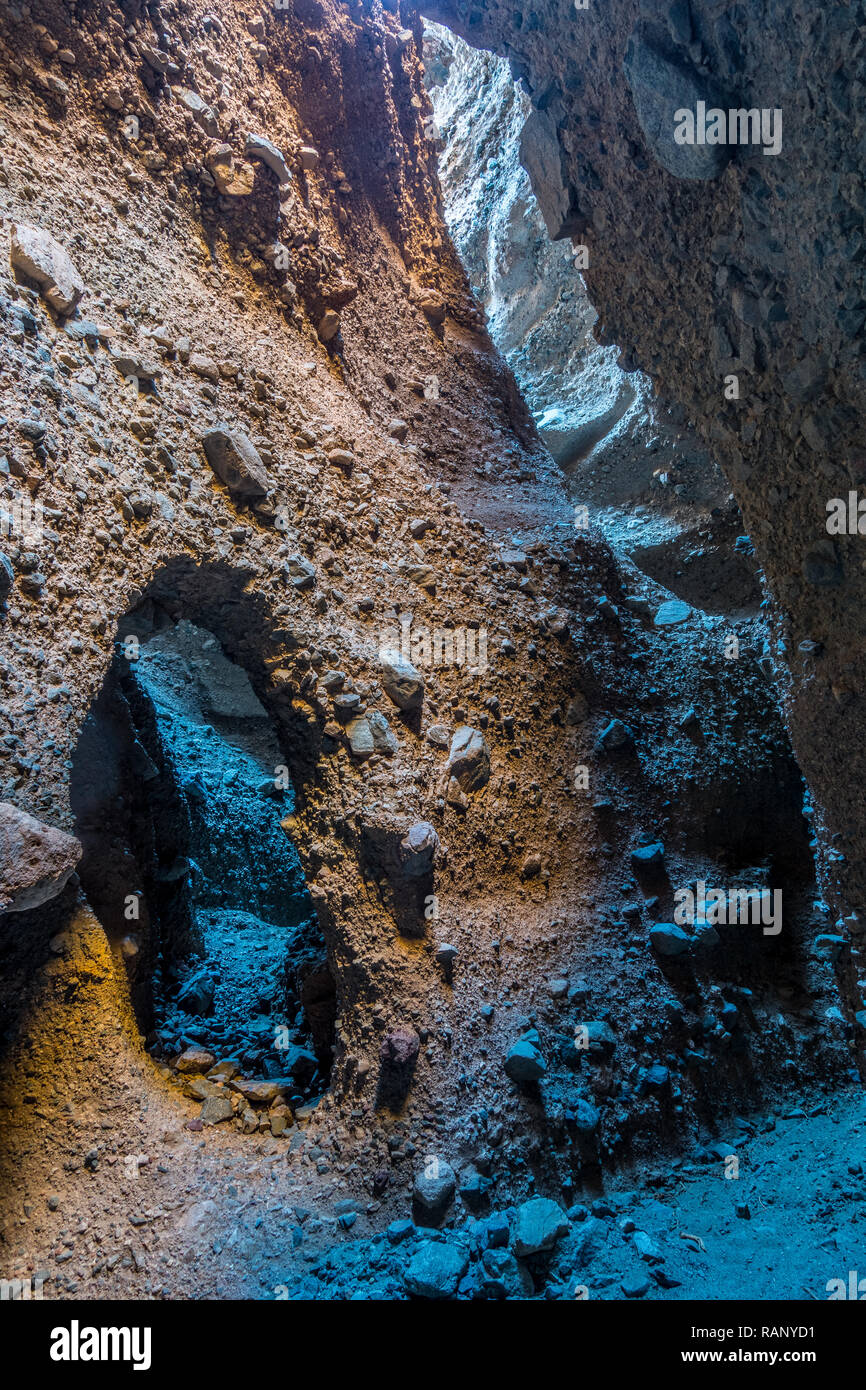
[(246, 387), (708, 263)]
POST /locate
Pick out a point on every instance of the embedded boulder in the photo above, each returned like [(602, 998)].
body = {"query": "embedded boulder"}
[(469, 759), (36, 860), (662, 82), (36, 254), (418, 849), (258, 147), (236, 462), (401, 682)]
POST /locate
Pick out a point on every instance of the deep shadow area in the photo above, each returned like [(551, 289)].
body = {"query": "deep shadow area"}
[(182, 789)]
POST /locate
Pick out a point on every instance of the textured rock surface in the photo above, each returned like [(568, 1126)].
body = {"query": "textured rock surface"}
[(358, 366), (766, 260), (35, 860), (633, 468)]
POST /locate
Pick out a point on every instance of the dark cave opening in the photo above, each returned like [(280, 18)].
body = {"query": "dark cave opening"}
[(181, 792)]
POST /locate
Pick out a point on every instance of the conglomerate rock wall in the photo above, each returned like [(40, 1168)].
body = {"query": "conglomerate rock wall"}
[(743, 260), (245, 385)]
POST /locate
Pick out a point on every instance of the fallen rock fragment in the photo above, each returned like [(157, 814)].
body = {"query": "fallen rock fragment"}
[(538, 1225), (194, 1060), (436, 1269)]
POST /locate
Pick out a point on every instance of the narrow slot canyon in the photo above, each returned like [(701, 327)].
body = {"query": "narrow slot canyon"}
[(432, 843)]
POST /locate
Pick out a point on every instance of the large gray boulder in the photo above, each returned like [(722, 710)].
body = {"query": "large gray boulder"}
[(236, 462), (36, 860), (662, 82), (400, 680), (37, 255)]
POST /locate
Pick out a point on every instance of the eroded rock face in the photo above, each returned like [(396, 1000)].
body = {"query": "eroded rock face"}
[(36, 860), (751, 274), (538, 312), (395, 445), (236, 461)]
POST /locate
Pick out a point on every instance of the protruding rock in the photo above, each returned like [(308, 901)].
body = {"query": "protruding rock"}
[(586, 1117), (36, 254), (236, 461), (672, 613), (430, 301), (384, 739), (418, 849), (360, 737), (329, 326), (435, 1186), (525, 1063), (194, 1061), (36, 860), (401, 682), (446, 955), (233, 177), (197, 995), (469, 759), (667, 939), (400, 1047), (616, 735), (204, 114), (648, 859), (257, 147)]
